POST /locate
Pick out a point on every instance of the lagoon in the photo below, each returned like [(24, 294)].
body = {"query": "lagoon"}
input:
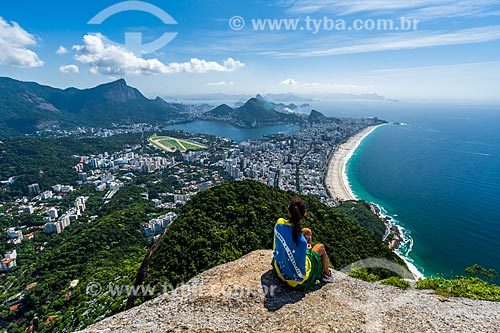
[(234, 133)]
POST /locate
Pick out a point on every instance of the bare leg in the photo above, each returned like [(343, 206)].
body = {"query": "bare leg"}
[(320, 248)]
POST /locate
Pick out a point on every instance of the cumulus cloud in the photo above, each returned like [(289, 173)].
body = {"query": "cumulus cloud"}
[(69, 69), (221, 83), (61, 50), (14, 43), (289, 82), (106, 58)]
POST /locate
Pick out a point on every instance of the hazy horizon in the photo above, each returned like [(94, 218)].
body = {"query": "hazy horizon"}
[(437, 50)]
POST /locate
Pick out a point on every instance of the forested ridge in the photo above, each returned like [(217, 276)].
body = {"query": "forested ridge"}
[(231, 220)]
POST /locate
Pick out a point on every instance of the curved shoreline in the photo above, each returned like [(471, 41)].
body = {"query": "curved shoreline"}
[(336, 176), (338, 185)]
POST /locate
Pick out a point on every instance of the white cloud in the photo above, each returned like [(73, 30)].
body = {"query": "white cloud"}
[(477, 8), (345, 7), (289, 82), (422, 9), (61, 50), (405, 42), (109, 59), (221, 83), (14, 41), (69, 69)]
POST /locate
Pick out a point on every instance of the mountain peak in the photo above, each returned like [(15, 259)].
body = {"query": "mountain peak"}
[(120, 82), (254, 112), (245, 295), (260, 98), (109, 103), (316, 116), (119, 91), (255, 101)]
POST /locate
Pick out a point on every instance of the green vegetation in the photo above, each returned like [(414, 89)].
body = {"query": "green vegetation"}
[(49, 161), (395, 281), (461, 286), (363, 274), (489, 273), (254, 112), (107, 250), (216, 226), (171, 144), (231, 220), (361, 213), (191, 145), (27, 107), (466, 286)]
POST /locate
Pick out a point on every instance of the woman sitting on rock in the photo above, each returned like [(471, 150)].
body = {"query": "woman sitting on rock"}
[(293, 262)]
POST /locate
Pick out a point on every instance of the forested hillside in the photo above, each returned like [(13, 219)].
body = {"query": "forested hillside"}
[(107, 250), (27, 106), (226, 222), (49, 161)]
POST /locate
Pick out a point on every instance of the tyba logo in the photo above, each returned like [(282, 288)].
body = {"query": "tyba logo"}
[(133, 40)]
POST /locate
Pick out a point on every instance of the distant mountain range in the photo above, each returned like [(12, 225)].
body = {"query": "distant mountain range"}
[(254, 113), (362, 97), (280, 107), (283, 98), (288, 97), (26, 107)]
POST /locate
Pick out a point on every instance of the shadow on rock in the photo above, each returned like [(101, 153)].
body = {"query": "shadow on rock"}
[(278, 293)]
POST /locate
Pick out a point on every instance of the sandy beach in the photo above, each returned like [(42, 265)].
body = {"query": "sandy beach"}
[(338, 184), (336, 177)]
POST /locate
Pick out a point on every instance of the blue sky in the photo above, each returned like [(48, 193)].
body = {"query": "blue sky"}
[(452, 54)]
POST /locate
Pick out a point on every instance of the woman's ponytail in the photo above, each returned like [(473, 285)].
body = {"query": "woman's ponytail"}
[(297, 210)]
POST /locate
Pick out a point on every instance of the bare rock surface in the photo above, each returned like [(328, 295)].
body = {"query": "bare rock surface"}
[(245, 296)]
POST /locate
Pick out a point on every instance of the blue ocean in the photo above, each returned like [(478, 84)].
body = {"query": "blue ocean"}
[(438, 176)]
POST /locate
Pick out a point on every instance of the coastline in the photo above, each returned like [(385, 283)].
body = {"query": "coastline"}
[(336, 176), (338, 185)]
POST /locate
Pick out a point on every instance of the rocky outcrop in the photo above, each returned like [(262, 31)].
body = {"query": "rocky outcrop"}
[(245, 296)]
